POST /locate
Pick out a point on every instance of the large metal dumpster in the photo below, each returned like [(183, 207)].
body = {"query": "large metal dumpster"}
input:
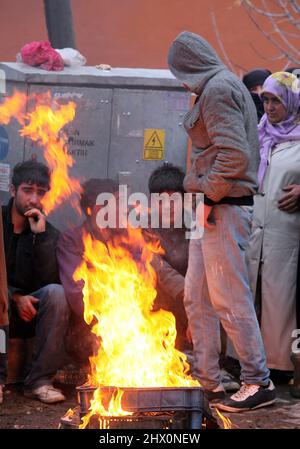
[(128, 121)]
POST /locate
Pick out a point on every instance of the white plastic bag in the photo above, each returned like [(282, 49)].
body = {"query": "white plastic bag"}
[(71, 57)]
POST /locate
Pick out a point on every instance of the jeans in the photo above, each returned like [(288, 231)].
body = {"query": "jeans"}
[(217, 290), (3, 353), (51, 326)]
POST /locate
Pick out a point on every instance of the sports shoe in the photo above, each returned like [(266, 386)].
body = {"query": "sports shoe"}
[(45, 393), (216, 394), (229, 382), (249, 397), (1, 393)]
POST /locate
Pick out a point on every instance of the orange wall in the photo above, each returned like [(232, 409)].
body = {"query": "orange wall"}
[(137, 33)]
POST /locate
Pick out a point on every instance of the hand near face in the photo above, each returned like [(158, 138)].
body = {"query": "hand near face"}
[(37, 220)]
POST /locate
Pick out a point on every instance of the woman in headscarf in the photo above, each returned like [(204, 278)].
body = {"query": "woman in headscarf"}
[(274, 243)]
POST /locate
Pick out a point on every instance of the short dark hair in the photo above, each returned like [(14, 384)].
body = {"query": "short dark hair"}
[(31, 172), (92, 188), (256, 77), (166, 177)]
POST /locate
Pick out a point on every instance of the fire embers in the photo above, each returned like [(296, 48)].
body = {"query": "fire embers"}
[(42, 119)]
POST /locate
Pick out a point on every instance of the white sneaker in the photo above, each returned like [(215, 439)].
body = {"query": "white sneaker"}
[(1, 393), (45, 393), (249, 397)]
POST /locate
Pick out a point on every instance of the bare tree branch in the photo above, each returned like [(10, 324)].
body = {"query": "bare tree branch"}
[(295, 6), (278, 31), (249, 4), (281, 24), (267, 58), (293, 21), (216, 30)]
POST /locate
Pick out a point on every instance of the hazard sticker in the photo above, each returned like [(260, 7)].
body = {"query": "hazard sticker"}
[(154, 144)]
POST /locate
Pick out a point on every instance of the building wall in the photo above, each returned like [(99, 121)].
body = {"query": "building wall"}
[(137, 33)]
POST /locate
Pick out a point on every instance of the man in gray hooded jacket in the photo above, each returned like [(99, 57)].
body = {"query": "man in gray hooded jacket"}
[(222, 125)]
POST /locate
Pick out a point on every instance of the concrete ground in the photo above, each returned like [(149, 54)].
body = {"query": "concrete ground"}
[(18, 412)]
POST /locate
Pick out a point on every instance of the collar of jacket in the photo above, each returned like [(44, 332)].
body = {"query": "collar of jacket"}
[(7, 210)]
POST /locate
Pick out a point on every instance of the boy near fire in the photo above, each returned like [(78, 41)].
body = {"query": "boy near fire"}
[(222, 126)]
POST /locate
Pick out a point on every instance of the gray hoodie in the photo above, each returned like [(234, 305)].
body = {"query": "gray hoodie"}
[(222, 123)]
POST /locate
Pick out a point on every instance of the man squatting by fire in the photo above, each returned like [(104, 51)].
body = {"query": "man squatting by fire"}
[(37, 302)]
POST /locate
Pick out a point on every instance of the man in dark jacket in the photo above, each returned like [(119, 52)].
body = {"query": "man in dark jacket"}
[(37, 301), (3, 316), (223, 127)]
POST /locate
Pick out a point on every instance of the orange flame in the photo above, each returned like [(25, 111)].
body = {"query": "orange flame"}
[(97, 408), (137, 344), (225, 421), (13, 106), (69, 414), (44, 124)]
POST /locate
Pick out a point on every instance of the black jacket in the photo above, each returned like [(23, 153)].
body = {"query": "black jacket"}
[(30, 258)]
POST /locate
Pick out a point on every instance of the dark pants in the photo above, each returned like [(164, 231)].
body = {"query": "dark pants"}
[(3, 353), (49, 327)]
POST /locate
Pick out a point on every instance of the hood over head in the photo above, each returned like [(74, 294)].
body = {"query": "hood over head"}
[(193, 61)]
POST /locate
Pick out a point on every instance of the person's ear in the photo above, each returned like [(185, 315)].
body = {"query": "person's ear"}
[(13, 190)]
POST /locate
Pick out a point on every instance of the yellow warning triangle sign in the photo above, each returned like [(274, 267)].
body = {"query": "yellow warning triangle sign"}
[(154, 142)]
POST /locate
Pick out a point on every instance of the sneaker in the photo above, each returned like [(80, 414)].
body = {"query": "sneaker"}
[(216, 394), (249, 397), (229, 382), (1, 393), (45, 393)]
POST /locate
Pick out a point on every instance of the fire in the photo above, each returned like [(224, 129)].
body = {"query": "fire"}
[(137, 345), (225, 421), (13, 106), (97, 408), (69, 414), (44, 124)]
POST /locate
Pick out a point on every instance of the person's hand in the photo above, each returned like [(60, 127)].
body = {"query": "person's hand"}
[(289, 202), (37, 220), (25, 306)]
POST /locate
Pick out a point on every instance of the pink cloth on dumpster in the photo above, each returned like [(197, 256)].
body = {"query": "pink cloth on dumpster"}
[(41, 54)]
